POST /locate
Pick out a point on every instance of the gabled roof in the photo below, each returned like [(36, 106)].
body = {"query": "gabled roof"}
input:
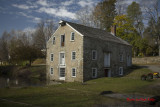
[(96, 33)]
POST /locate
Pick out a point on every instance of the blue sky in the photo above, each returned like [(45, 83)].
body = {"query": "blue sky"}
[(24, 14)]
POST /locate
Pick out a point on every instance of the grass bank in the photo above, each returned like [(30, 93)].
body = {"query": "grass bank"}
[(78, 94)]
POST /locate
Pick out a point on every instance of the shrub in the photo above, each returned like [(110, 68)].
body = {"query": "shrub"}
[(143, 77), (150, 76), (156, 74)]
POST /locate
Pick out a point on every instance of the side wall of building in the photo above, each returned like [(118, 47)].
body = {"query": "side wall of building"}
[(68, 47), (115, 50)]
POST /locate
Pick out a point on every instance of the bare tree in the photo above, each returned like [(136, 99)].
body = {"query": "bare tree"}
[(153, 15), (120, 7), (85, 17), (43, 32), (4, 56)]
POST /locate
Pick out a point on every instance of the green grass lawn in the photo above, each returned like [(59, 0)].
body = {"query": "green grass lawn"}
[(78, 94)]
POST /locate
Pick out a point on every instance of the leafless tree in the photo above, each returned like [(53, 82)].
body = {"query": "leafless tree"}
[(153, 16), (4, 56), (85, 17)]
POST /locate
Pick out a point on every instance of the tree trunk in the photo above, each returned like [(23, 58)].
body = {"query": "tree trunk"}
[(30, 62), (159, 50)]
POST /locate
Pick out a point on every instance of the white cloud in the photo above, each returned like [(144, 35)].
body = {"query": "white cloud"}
[(34, 19), (67, 3), (29, 29), (22, 6), (42, 2), (84, 3), (62, 12), (51, 11)]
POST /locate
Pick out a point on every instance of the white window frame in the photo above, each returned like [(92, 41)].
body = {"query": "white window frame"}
[(51, 57), (60, 59), (95, 73), (95, 54), (72, 72), (71, 36), (120, 72), (121, 57), (50, 70), (53, 40), (72, 55)]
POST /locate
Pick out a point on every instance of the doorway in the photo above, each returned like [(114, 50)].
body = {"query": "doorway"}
[(62, 73), (107, 72)]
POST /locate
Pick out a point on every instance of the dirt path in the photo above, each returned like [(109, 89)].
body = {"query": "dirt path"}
[(154, 68), (20, 103)]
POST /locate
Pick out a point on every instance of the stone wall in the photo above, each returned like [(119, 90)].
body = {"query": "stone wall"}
[(115, 49), (76, 45), (146, 60)]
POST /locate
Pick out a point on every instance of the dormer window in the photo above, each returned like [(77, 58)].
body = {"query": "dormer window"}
[(54, 40), (72, 36), (62, 40)]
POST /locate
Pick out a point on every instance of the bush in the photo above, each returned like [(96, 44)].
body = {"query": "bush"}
[(150, 76), (156, 75), (143, 77)]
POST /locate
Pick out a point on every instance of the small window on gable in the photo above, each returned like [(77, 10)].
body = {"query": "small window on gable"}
[(51, 71), (72, 36), (51, 57), (94, 72), (62, 40), (94, 55), (120, 70), (54, 40), (73, 72), (121, 57), (73, 55)]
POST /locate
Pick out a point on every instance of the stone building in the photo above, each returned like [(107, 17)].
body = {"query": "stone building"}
[(79, 53)]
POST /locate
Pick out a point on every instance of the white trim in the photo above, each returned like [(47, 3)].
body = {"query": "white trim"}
[(120, 68), (71, 37), (74, 29), (95, 73), (62, 78), (50, 57), (95, 56), (64, 58), (72, 54), (72, 72), (54, 33), (50, 70)]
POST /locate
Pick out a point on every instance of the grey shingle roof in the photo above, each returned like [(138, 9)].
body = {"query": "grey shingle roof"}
[(96, 33)]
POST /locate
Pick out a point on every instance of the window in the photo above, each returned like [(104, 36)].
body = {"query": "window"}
[(94, 72), (120, 70), (62, 40), (94, 54), (107, 59), (54, 40), (51, 57), (73, 72), (121, 58), (72, 36), (62, 59), (51, 71), (73, 55), (62, 72)]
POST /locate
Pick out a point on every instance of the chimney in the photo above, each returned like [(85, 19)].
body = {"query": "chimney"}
[(113, 30), (62, 23)]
